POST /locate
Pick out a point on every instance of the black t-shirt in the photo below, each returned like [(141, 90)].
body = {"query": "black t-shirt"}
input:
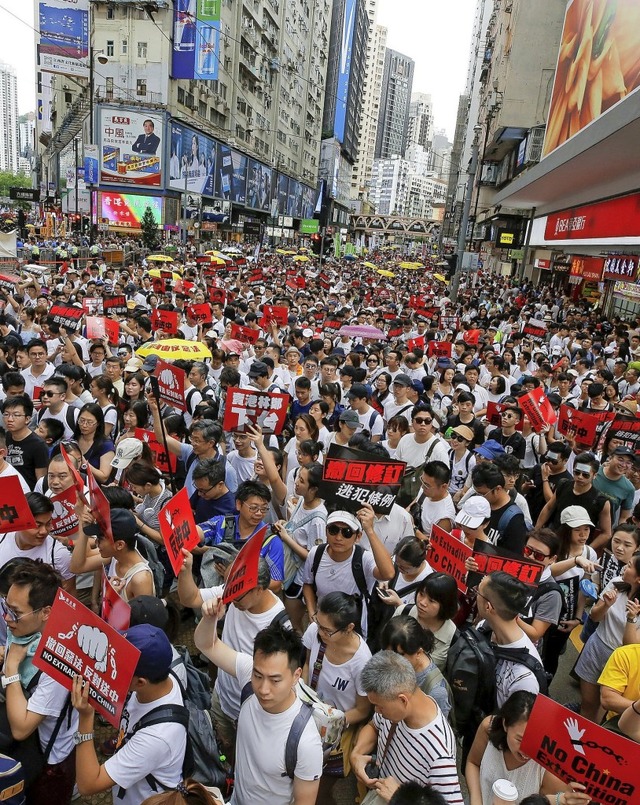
[(593, 501), (27, 456), (514, 445), (513, 535), (535, 498), (475, 425)]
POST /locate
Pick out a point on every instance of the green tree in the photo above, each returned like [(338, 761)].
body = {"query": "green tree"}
[(149, 229), (8, 180)]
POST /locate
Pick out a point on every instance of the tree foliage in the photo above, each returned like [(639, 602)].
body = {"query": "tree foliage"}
[(149, 229)]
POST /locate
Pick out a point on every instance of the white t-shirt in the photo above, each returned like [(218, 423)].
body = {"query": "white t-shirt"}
[(48, 699), (337, 684), (62, 415), (155, 750), (512, 676), (49, 548), (402, 584), (9, 470), (261, 777), (434, 511), (416, 454), (244, 467), (391, 528), (239, 631), (374, 427)]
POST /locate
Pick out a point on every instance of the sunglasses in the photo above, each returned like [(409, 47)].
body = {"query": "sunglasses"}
[(530, 553), (49, 393), (507, 416), (422, 420), (333, 530), (458, 438)]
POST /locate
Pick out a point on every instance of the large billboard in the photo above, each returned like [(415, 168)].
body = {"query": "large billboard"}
[(131, 147), (193, 160), (196, 39), (344, 67), (63, 27), (597, 65), (258, 186), (125, 210)]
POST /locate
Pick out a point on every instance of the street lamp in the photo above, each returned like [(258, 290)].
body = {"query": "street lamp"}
[(103, 59)]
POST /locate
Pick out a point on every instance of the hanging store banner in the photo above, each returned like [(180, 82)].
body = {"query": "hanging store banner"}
[(63, 34)]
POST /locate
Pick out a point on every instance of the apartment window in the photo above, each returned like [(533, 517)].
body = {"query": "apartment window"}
[(125, 47), (109, 87), (180, 95), (202, 109), (142, 50), (109, 47), (141, 86), (111, 13), (68, 97)]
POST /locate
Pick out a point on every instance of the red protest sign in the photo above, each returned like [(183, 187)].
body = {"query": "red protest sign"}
[(448, 555), (331, 326), (535, 329), (578, 750), (247, 407), (581, 425), (165, 320), (99, 505), (416, 343), (243, 575), (537, 407), (217, 296), (115, 610), (494, 410), (178, 528), (171, 384), (489, 559), (416, 301), (627, 430), (439, 349), (165, 462), (98, 327), (277, 313), (8, 282), (67, 316), (65, 520), (201, 312), (15, 513), (245, 334), (78, 483), (114, 305), (76, 641)]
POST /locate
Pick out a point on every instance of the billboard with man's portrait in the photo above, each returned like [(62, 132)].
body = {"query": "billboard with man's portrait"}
[(131, 145)]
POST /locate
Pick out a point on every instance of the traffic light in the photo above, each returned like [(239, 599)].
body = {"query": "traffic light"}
[(316, 242)]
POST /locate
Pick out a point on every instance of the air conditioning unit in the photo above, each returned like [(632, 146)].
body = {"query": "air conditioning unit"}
[(533, 152)]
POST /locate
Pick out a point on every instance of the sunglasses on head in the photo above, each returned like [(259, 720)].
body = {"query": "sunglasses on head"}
[(333, 530)]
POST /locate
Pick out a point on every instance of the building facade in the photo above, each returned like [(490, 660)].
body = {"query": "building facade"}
[(393, 120), (9, 147)]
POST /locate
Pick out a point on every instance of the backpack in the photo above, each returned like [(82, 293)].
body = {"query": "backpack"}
[(208, 573), (148, 550), (356, 569), (379, 613), (198, 682), (12, 782), (70, 419), (507, 516), (411, 484), (202, 758)]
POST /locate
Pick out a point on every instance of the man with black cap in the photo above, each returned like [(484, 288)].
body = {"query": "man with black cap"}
[(259, 377), (148, 760), (358, 397), (402, 404)]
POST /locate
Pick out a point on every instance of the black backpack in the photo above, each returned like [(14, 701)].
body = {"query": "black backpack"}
[(356, 568), (379, 613), (542, 589)]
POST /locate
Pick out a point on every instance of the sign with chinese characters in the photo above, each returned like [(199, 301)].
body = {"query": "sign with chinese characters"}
[(65, 520), (165, 462), (131, 146), (626, 430), (277, 313), (350, 478), (536, 330), (246, 407), (243, 575), (449, 323), (99, 326), (178, 528), (171, 384), (582, 425), (494, 412), (536, 406), (439, 349), (621, 267), (416, 343), (77, 641), (578, 750), (67, 316), (247, 335), (200, 312), (15, 513), (448, 554), (114, 305), (165, 320), (589, 268), (489, 559)]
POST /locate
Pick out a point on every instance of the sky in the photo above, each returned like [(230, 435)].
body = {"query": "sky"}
[(436, 35)]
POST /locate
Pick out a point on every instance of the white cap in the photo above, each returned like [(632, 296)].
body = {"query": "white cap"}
[(575, 516), (126, 451), (347, 518), (474, 512)]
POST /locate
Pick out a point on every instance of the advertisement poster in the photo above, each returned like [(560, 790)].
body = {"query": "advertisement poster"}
[(448, 554), (76, 641), (196, 39), (63, 26), (126, 210), (243, 575), (282, 193), (239, 184), (178, 528), (91, 163), (224, 172), (15, 513), (131, 146), (171, 384), (247, 407), (597, 65), (578, 750), (193, 157), (295, 188), (344, 67), (258, 186)]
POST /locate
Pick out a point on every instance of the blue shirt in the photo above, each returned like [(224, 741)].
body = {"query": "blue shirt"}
[(272, 550), (205, 509), (230, 479)]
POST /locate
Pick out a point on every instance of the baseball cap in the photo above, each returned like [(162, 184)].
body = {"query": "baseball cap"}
[(307, 332), (123, 525), (575, 516), (417, 385), (351, 418), (258, 369), (346, 518), (126, 451), (133, 365), (150, 363), (155, 650), (623, 451), (474, 512), (465, 432), (358, 390), (490, 449), (402, 380), (149, 609)]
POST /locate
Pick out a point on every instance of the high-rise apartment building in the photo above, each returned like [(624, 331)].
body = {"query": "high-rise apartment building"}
[(8, 119), (420, 126), (393, 120)]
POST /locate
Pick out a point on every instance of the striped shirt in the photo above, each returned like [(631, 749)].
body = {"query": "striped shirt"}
[(426, 755)]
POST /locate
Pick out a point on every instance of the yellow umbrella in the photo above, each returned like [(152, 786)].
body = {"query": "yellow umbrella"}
[(411, 266), (155, 272), (370, 265), (173, 349), (214, 260), (440, 278), (303, 249), (301, 258), (285, 251), (384, 273), (160, 258)]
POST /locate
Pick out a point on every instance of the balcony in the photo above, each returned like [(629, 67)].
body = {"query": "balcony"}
[(104, 93)]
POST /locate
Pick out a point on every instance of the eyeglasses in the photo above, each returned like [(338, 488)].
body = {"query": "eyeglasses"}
[(456, 437), (372, 361), (37, 354), (87, 422), (333, 530), (476, 590), (537, 555), (203, 492), (507, 415), (422, 421), (256, 509), (9, 415), (7, 612), (323, 629)]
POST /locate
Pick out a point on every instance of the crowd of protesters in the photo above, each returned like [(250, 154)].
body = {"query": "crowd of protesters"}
[(345, 601)]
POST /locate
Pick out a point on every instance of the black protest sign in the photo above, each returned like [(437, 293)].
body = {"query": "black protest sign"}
[(489, 559), (114, 305), (67, 316), (351, 478)]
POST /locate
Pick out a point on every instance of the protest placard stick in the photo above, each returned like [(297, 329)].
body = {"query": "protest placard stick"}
[(155, 393)]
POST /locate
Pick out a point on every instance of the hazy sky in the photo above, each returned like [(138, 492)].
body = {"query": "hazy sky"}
[(435, 34)]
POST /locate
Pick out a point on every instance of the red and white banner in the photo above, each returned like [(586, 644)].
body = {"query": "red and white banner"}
[(440, 349), (583, 426), (448, 555), (171, 384), (178, 528), (537, 407), (65, 520), (165, 462), (115, 610), (15, 513), (246, 407), (98, 327), (494, 411), (277, 313), (99, 505), (617, 217), (200, 312), (243, 575), (165, 320)]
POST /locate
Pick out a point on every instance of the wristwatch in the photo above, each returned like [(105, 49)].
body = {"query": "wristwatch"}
[(82, 737), (7, 680), (632, 620)]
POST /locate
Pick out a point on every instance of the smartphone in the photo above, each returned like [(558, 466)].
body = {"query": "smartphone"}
[(382, 591)]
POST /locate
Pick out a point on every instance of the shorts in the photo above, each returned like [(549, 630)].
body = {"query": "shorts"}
[(294, 591), (593, 659), (226, 728)]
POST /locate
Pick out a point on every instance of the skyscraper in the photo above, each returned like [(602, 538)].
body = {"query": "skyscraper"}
[(393, 121), (8, 119)]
